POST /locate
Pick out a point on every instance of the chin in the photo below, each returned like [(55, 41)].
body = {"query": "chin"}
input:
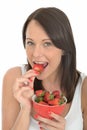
[(40, 77)]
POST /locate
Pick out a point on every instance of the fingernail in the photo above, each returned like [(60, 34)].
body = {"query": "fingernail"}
[(41, 128), (30, 80), (36, 116), (39, 122), (26, 83)]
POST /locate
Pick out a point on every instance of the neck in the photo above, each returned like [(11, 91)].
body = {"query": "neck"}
[(51, 84)]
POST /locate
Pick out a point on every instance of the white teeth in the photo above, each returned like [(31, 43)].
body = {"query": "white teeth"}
[(38, 62)]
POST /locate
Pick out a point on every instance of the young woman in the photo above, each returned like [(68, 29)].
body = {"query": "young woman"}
[(48, 40)]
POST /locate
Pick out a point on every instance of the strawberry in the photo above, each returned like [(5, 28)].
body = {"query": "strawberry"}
[(38, 99), (56, 93), (48, 96), (42, 102), (38, 67), (39, 92), (53, 102), (62, 100)]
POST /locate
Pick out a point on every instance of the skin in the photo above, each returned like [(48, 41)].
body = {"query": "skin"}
[(39, 48), (38, 44)]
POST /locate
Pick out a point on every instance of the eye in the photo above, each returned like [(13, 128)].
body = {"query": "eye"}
[(47, 44), (29, 43)]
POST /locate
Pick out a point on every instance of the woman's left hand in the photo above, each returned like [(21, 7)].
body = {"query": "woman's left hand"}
[(56, 123)]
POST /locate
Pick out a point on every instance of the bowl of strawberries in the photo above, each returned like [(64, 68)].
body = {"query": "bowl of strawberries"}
[(45, 102)]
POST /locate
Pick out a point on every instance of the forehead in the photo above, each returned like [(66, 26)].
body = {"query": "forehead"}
[(34, 28)]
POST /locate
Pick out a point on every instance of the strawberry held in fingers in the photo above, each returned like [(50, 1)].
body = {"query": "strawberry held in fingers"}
[(38, 67)]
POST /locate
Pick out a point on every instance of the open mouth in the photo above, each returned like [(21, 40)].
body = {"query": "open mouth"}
[(39, 66)]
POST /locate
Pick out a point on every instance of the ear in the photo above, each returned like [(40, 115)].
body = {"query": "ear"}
[(63, 52)]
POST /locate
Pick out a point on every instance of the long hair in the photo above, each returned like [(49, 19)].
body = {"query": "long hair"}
[(57, 26)]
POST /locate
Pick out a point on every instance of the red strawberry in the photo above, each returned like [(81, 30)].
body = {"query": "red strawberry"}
[(53, 102), (39, 92), (42, 102), (38, 67), (56, 93), (48, 96)]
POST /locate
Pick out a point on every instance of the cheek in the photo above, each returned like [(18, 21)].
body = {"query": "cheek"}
[(28, 53), (56, 59), (55, 54)]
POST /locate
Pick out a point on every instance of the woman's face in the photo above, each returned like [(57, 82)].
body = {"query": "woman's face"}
[(41, 50)]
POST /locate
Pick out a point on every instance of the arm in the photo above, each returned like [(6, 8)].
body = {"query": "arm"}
[(10, 106), (12, 115), (84, 104)]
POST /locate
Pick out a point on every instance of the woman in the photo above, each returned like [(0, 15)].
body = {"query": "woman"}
[(48, 40)]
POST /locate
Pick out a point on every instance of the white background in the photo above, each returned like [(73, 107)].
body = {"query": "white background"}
[(13, 14)]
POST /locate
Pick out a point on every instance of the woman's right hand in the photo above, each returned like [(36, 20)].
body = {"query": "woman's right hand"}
[(23, 88)]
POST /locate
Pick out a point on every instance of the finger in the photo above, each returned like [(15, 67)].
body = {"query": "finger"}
[(22, 79), (24, 91), (45, 120), (52, 123), (31, 84), (20, 82), (61, 121), (22, 85), (45, 126), (57, 117), (42, 128), (30, 73), (27, 92)]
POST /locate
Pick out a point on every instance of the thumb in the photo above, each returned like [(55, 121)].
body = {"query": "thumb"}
[(31, 84)]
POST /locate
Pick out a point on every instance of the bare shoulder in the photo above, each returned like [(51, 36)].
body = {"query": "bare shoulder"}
[(10, 106), (8, 81), (12, 73), (10, 76), (84, 91), (84, 103)]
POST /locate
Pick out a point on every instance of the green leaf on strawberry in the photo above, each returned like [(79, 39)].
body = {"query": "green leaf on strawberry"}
[(39, 93), (38, 99)]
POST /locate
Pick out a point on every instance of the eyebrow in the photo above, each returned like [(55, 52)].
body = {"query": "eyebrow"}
[(29, 39), (32, 39)]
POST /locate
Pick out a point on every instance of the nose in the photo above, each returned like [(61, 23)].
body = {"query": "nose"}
[(37, 52)]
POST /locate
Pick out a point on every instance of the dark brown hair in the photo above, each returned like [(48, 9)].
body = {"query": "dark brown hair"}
[(57, 26)]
